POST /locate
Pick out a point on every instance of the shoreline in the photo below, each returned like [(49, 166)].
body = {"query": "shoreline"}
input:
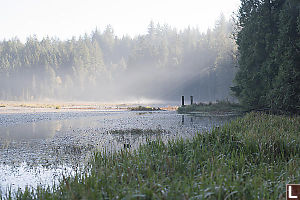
[(13, 107)]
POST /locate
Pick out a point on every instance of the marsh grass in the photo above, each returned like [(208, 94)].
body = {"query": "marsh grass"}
[(138, 131), (72, 149), (250, 158), (142, 108), (219, 106)]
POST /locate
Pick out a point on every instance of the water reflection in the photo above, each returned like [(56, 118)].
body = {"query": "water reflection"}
[(21, 176), (49, 141)]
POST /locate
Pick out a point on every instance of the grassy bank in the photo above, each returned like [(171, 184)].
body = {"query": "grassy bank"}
[(219, 106), (251, 158)]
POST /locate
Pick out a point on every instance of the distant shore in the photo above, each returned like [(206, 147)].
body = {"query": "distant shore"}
[(36, 107)]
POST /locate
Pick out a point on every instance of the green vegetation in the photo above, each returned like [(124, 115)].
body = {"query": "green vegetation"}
[(269, 47), (57, 107), (136, 131), (251, 158), (142, 108), (218, 107)]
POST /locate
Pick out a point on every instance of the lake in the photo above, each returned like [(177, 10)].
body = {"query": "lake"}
[(37, 148)]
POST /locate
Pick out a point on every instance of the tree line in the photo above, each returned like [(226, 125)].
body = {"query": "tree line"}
[(268, 40), (163, 64)]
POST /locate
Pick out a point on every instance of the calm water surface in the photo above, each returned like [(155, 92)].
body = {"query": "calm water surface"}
[(36, 148)]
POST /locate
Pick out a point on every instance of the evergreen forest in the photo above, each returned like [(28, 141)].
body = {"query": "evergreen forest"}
[(163, 64), (268, 40)]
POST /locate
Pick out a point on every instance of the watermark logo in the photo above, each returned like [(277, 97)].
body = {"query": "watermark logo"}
[(293, 191)]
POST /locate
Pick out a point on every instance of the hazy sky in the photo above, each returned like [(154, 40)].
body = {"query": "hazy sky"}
[(67, 18)]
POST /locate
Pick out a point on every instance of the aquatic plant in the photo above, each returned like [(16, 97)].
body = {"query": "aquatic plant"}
[(142, 108), (137, 131)]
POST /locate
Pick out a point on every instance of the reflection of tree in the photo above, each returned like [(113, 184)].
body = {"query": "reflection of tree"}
[(5, 140)]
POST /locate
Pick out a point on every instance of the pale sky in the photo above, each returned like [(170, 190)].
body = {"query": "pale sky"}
[(67, 18)]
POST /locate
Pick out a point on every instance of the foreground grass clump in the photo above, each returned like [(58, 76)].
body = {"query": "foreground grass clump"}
[(142, 108), (219, 106), (251, 158)]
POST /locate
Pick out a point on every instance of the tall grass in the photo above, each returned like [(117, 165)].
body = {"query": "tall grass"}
[(251, 158)]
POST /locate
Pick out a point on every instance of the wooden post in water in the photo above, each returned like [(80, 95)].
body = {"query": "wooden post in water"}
[(192, 100), (182, 101)]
